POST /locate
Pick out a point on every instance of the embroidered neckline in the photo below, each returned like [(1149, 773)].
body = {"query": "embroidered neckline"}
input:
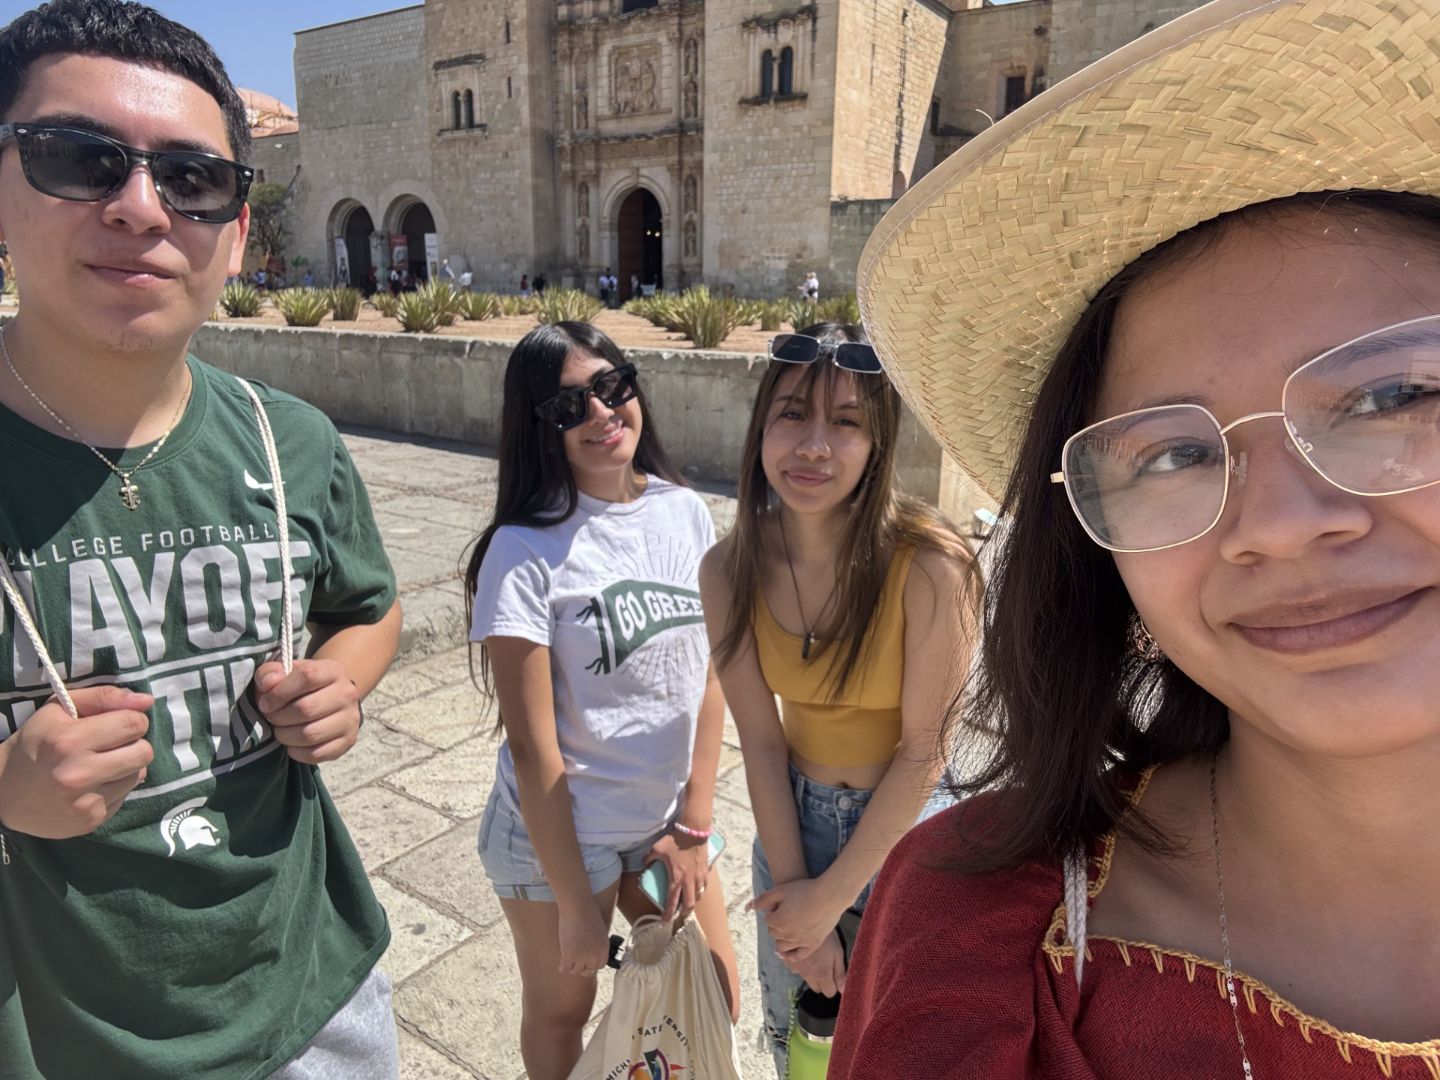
[(1058, 950)]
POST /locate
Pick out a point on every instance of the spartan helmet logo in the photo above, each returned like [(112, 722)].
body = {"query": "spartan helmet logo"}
[(192, 830)]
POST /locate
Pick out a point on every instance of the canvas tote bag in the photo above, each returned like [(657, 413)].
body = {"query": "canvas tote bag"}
[(667, 1019)]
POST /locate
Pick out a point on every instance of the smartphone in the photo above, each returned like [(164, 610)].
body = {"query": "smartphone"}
[(655, 881)]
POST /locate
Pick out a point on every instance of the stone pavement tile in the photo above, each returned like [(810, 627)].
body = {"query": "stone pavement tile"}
[(469, 1002), (403, 682), (457, 781), (419, 1061), (435, 619), (446, 668), (447, 874), (385, 824), (731, 787), (737, 825), (443, 718), (378, 752), (413, 566), (418, 933), (467, 513)]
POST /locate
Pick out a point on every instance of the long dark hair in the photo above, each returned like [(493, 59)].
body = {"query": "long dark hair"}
[(1073, 708), (536, 485), (880, 519)]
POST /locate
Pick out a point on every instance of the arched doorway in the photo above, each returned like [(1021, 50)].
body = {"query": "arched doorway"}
[(639, 230), (356, 230), (415, 222)]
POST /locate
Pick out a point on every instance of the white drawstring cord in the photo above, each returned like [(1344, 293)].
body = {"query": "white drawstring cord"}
[(1077, 905), (11, 588)]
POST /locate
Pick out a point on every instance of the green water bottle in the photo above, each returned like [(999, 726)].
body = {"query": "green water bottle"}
[(811, 1033)]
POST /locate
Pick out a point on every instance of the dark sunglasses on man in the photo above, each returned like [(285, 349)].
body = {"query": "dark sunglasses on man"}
[(853, 356), (569, 408), (81, 166)]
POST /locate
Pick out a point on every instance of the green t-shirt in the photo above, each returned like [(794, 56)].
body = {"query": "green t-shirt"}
[(222, 916)]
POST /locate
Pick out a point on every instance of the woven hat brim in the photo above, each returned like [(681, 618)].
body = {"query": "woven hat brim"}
[(971, 283)]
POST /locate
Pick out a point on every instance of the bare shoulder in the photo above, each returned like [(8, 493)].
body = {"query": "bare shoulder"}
[(712, 563), (938, 576)]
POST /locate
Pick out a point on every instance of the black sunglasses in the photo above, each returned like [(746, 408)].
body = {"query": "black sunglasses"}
[(569, 408), (68, 163), (851, 356)]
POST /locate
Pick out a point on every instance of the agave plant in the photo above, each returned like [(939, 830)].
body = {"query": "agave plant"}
[(444, 299), (303, 307), (839, 309), (345, 303), (707, 319), (385, 304), (240, 300), (772, 315), (567, 305), (480, 306), (416, 313)]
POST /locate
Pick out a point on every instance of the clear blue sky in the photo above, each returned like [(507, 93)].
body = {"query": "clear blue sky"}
[(255, 38)]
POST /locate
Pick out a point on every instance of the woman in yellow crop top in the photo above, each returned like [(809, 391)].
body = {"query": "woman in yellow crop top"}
[(850, 603)]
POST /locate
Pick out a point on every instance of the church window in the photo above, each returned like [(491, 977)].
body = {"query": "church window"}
[(507, 31), (469, 108), (787, 72), (1014, 93), (636, 5), (509, 88), (767, 74), (455, 109), (934, 118)]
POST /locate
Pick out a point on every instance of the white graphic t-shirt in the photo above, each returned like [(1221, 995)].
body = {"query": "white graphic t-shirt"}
[(614, 592)]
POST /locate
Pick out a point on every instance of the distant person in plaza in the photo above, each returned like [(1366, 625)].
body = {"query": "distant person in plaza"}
[(465, 280), (309, 279), (178, 896), (1212, 648), (634, 286), (612, 721), (446, 274), (524, 285), (540, 284), (395, 280), (605, 287), (260, 278), (810, 288), (372, 282), (848, 601)]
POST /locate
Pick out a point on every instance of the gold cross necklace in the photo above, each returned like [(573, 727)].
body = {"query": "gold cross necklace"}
[(129, 490)]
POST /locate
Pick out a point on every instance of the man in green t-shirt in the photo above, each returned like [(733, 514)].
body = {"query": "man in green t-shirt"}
[(178, 897)]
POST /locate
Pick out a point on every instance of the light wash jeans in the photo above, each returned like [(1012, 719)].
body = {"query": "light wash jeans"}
[(828, 817)]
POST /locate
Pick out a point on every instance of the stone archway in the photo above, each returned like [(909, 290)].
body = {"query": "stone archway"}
[(355, 229), (410, 216), (639, 234)]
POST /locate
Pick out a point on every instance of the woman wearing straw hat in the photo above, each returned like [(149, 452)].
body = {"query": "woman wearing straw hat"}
[(1181, 310)]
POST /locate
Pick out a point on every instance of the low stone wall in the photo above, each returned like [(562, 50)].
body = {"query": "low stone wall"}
[(452, 388)]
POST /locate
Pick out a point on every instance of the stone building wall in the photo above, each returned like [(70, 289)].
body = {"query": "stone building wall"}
[(985, 46), (851, 223), (887, 62), (1085, 30), (365, 134), (767, 160)]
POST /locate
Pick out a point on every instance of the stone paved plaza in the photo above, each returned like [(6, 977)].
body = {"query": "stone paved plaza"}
[(413, 790)]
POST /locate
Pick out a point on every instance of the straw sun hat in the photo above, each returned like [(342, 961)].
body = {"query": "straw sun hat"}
[(973, 280)]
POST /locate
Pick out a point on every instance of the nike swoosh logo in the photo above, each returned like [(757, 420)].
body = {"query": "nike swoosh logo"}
[(251, 482)]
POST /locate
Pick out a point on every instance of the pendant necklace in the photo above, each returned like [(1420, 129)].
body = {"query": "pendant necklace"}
[(1224, 926), (129, 490), (808, 642)]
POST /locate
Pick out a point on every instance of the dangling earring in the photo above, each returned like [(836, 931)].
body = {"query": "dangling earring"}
[(1142, 645)]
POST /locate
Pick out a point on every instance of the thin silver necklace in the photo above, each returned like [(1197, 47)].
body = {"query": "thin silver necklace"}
[(1224, 925), (129, 490), (808, 642)]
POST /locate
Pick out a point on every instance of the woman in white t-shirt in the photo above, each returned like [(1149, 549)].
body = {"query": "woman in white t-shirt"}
[(585, 599)]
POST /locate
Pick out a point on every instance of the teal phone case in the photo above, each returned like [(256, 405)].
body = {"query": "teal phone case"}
[(655, 881)]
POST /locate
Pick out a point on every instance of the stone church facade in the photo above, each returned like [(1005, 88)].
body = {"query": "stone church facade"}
[(738, 143)]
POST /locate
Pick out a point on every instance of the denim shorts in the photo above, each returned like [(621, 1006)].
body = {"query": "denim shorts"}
[(828, 817), (514, 869)]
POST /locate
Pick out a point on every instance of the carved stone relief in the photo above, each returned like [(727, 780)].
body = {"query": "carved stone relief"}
[(692, 100), (692, 58), (692, 187), (634, 80), (582, 242), (582, 200), (690, 237)]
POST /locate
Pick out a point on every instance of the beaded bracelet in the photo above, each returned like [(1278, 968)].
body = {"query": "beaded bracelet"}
[(694, 834)]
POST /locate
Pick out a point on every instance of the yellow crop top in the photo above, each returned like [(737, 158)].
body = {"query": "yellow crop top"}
[(862, 727)]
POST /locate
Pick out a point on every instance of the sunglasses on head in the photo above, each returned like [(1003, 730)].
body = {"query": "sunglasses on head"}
[(570, 407), (1365, 416), (853, 356), (81, 166)]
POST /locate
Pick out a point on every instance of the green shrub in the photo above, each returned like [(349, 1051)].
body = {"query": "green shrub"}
[(799, 313), (772, 315), (303, 307), (518, 305), (445, 300), (567, 305), (416, 313), (345, 303), (386, 304), (239, 299), (707, 319), (839, 309), (481, 305)]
